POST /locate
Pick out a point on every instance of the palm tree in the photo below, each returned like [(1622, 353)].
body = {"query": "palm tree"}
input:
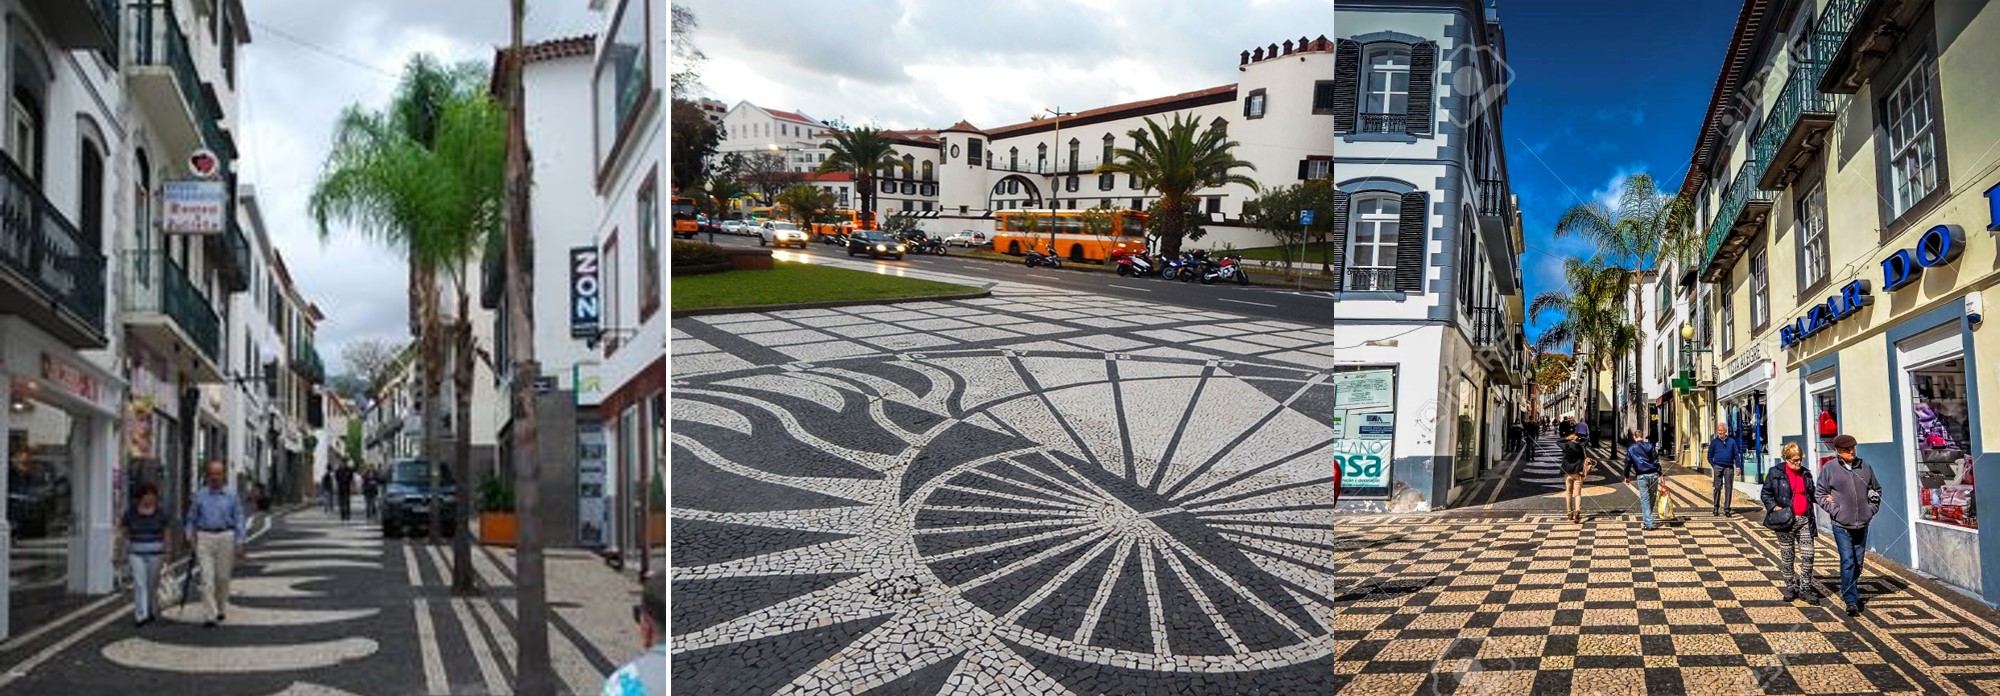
[(723, 188), (1649, 228), (424, 176), (1177, 161), (861, 152), (1591, 323), (806, 204)]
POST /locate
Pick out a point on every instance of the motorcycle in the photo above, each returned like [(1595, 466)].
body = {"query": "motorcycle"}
[(929, 245), (1135, 264), (1229, 268), (1197, 265), (1036, 258)]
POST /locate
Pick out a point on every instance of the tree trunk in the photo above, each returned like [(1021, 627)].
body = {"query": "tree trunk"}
[(533, 675), (430, 347), (1172, 229), (461, 542)]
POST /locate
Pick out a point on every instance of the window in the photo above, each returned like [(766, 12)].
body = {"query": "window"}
[(1042, 157), (1215, 205), (1132, 181), (612, 293), (624, 77), (1760, 290), (1013, 186), (649, 246), (1253, 105), (909, 166), (927, 205), (1103, 202), (1074, 147), (1912, 141), (1465, 242), (1071, 182), (1014, 159), (1812, 237), (1106, 181), (90, 194), (1388, 88), (908, 204), (1371, 250), (1727, 310), (1316, 168), (972, 147), (1942, 427), (888, 186), (1138, 204), (24, 132), (1107, 148), (1323, 97)]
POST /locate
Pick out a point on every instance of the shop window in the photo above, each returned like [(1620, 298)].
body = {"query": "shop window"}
[(1825, 414), (1939, 415)]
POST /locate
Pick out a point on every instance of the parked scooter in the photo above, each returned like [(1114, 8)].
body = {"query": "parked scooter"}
[(1135, 264), (1229, 268), (1037, 258)]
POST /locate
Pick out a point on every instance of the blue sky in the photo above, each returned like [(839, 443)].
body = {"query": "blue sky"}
[(1601, 90)]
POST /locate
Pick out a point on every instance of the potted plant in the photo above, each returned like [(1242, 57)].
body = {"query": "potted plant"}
[(497, 524)]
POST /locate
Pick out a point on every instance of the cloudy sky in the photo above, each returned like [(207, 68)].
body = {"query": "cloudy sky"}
[(1596, 98), (307, 60)]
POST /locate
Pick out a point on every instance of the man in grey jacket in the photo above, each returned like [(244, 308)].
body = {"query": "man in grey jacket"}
[(1847, 489)]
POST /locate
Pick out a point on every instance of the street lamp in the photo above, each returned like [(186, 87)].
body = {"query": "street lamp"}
[(1058, 113)]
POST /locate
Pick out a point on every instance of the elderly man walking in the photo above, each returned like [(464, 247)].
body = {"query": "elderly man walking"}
[(1851, 496), (215, 522), (1723, 456)]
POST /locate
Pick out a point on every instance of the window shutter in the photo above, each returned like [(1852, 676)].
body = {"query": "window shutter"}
[(1342, 202), (1423, 88), (1413, 242), (1346, 85), (1303, 172)]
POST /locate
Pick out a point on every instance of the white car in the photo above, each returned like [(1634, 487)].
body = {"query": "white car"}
[(966, 238), (732, 227), (781, 234)]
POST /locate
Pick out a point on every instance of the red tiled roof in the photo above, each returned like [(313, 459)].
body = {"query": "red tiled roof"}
[(832, 176), (581, 45), (1198, 97), (963, 126), (790, 116)]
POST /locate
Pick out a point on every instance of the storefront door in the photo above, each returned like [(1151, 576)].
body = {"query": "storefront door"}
[(1936, 431)]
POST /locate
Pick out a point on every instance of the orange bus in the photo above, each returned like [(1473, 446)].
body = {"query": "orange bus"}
[(685, 224), (1017, 231), (844, 222)]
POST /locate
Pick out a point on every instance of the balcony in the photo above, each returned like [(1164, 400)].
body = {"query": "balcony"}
[(1370, 280), (230, 251), (1496, 226), (90, 25), (1797, 126), (1383, 123), (1867, 31), (1087, 166), (166, 310), (167, 88), (1744, 208), (1497, 343), (49, 273), (305, 361)]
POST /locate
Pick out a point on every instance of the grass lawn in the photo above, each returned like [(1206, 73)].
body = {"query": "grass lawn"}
[(793, 283), (1271, 253)]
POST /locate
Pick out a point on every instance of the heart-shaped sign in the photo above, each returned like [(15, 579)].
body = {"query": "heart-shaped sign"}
[(203, 163)]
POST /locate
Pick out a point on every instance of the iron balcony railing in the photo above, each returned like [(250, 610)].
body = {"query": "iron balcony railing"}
[(1384, 123), (1800, 95), (1493, 197), (1836, 22), (155, 284), (1086, 166), (41, 246), (1365, 279), (157, 40), (1742, 190), (1489, 327)]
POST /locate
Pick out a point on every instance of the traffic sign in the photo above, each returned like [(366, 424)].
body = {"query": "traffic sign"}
[(1305, 217)]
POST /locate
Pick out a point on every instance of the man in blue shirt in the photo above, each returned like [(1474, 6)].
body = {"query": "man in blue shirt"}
[(215, 522), (1723, 456), (1647, 468)]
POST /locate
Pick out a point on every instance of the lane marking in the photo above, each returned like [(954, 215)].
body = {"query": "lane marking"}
[(434, 681), (1260, 304), (410, 564), (1129, 287)]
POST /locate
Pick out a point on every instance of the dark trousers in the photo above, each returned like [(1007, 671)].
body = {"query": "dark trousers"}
[(1724, 480), (370, 499), (342, 498), (1853, 547)]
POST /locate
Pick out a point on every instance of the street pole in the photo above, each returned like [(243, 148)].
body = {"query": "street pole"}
[(533, 675), (1054, 173)]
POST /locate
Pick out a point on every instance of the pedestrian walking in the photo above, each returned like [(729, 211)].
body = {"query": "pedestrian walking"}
[(343, 490), (1647, 467), (1723, 455), (1583, 431), (146, 528), (1565, 428), (1788, 511), (647, 674), (1576, 463), (1848, 490), (326, 492), (370, 488), (216, 523)]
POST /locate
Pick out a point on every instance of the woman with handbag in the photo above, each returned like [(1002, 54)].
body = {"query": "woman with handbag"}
[(1789, 512), (148, 532)]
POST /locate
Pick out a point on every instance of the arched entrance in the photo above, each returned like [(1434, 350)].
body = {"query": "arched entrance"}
[(1016, 190)]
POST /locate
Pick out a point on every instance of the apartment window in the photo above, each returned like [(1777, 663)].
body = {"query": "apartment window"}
[(1465, 242), (907, 205), (1912, 143), (1323, 91), (1074, 148), (1388, 89), (1132, 181), (1253, 105), (24, 129), (1760, 290), (927, 205), (929, 173), (972, 148), (90, 194), (1070, 183), (624, 77), (1812, 238), (1316, 168), (1103, 202), (1014, 159), (649, 247), (1215, 205), (1138, 204), (1727, 309), (909, 166), (1013, 186), (1371, 247), (1107, 147), (1042, 157), (1106, 181)]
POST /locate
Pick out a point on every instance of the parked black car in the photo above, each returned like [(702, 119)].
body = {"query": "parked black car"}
[(408, 497), (874, 243)]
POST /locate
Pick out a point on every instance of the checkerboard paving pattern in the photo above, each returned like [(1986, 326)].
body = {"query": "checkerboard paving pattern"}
[(1482, 606)]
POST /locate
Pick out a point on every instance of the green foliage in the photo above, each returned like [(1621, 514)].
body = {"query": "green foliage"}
[(496, 494), (693, 140), (687, 253), (792, 283), (806, 204), (1178, 160), (861, 152), (1277, 212), (1097, 220), (899, 224)]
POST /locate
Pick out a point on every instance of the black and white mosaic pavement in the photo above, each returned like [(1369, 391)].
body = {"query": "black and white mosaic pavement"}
[(1021, 494)]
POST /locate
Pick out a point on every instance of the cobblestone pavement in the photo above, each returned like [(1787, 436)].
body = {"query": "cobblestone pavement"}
[(325, 607), (1534, 604), (1019, 494)]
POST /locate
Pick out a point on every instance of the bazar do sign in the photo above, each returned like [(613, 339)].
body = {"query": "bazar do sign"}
[(1939, 246)]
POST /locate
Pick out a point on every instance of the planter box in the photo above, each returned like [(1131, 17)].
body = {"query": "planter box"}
[(705, 269), (498, 528), (750, 259), (656, 529)]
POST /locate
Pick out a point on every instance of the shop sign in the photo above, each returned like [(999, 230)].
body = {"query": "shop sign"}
[(1364, 420), (587, 381), (1364, 390), (1851, 299), (584, 308), (70, 377), (195, 207), (1939, 245), (592, 509)]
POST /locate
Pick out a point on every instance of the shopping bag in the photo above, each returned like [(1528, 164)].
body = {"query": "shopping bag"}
[(1664, 509)]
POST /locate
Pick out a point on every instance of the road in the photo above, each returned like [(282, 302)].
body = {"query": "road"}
[(1312, 307)]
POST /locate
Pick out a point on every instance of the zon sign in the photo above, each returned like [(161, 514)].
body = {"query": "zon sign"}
[(586, 307)]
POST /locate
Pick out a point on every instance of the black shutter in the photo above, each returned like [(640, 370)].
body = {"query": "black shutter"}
[(1423, 88), (1341, 203), (1346, 85), (1302, 169), (1413, 242)]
